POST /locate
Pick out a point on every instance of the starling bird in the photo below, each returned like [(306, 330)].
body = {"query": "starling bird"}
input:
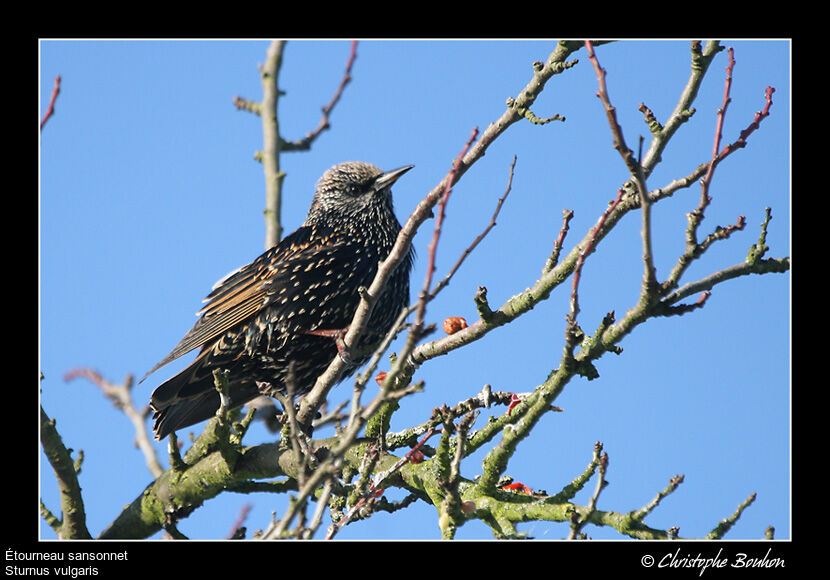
[(273, 320)]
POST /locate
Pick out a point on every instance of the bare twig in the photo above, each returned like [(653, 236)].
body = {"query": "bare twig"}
[(726, 524), (273, 143), (121, 397), (696, 217), (238, 528), (571, 489), (322, 503), (436, 233), (270, 156), (635, 169), (73, 525), (305, 143), (702, 57), (50, 110), (553, 259), (438, 287), (641, 513), (753, 126), (587, 249), (578, 522)]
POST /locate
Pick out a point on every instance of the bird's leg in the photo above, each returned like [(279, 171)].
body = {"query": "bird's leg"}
[(280, 419), (338, 335)]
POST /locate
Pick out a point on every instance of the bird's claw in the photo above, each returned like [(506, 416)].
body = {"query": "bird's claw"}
[(338, 335)]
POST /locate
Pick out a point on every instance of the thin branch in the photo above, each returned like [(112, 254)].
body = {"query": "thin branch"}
[(753, 126), (238, 528), (247, 105), (726, 524), (432, 249), (484, 399), (575, 486), (702, 57), (73, 525), (322, 502), (270, 156), (553, 259), (696, 217), (578, 521), (440, 286), (293, 432), (648, 116), (121, 397), (327, 468), (50, 110), (417, 331), (635, 169), (586, 250), (727, 88), (273, 143), (220, 382), (305, 143), (778, 265), (641, 513)]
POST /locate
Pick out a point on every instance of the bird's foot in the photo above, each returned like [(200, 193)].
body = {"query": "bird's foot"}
[(338, 335), (267, 389)]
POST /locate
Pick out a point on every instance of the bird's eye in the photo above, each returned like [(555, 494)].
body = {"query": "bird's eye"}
[(358, 189)]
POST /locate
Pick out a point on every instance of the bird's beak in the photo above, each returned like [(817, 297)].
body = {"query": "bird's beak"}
[(390, 177)]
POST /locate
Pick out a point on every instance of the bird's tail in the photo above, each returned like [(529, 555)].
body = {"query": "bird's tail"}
[(191, 397)]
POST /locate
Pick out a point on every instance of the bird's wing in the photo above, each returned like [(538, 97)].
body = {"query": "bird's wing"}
[(301, 267), (236, 296)]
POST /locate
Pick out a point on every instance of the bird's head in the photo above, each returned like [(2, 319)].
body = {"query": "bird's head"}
[(354, 189)]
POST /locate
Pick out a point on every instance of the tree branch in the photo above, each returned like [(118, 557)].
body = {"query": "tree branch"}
[(121, 397), (649, 286), (73, 525), (305, 143), (269, 73), (50, 110)]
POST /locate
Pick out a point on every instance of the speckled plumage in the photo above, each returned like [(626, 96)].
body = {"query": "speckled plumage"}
[(257, 318)]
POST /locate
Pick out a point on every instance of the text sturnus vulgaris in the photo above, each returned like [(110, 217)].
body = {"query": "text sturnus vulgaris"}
[(280, 311)]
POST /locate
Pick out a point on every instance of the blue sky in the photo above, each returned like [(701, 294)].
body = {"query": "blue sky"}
[(149, 193)]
